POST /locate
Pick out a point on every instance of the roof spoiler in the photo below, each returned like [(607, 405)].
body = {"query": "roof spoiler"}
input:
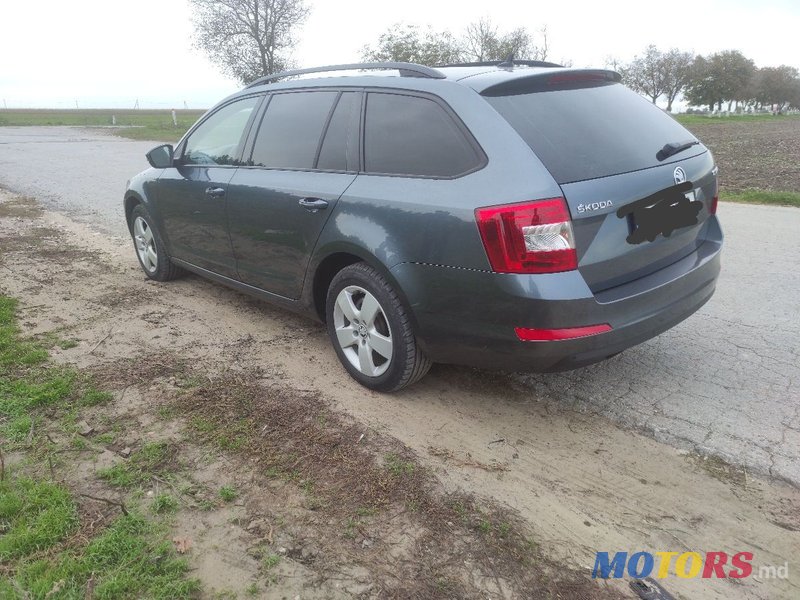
[(543, 81)]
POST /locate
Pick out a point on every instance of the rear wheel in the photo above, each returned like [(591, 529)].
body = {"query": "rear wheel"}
[(150, 249), (371, 330)]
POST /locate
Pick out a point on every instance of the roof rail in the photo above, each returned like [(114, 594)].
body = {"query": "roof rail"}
[(504, 63), (406, 70)]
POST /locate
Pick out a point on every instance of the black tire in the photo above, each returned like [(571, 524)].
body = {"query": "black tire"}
[(408, 364), (165, 269)]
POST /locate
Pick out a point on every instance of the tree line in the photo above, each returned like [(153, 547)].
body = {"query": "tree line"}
[(726, 78), (251, 38), (481, 41)]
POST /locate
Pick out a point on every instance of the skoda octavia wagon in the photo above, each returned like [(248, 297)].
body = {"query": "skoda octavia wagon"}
[(513, 215)]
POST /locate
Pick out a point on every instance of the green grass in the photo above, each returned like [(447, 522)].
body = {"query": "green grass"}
[(67, 344), (30, 383), (762, 197), (129, 559), (33, 516), (271, 561), (228, 493), (164, 504), (148, 124), (685, 119), (40, 554), (27, 381), (397, 467), (153, 459)]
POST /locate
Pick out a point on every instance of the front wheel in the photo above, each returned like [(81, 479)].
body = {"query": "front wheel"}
[(371, 330), (150, 250)]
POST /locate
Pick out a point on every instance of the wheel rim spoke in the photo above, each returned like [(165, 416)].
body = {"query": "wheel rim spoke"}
[(345, 303), (369, 309), (381, 344), (138, 227), (365, 362), (152, 257), (347, 336)]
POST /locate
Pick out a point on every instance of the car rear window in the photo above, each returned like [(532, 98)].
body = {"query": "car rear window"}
[(592, 132)]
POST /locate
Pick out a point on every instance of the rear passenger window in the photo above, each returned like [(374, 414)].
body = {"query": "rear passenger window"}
[(340, 149), (409, 135), (291, 130)]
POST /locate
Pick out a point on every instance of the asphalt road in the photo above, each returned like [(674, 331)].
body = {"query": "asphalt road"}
[(725, 382)]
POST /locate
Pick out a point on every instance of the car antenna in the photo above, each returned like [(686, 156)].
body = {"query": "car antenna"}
[(508, 62)]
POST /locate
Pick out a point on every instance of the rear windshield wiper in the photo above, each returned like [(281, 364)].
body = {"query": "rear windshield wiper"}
[(673, 148)]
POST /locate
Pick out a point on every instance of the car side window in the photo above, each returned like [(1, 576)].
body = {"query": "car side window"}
[(216, 141), (290, 131), (339, 150), (410, 135)]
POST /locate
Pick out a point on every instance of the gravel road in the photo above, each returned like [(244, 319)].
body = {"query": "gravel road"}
[(726, 382)]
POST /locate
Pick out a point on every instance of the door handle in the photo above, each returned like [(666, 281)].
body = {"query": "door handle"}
[(313, 204), (215, 192)]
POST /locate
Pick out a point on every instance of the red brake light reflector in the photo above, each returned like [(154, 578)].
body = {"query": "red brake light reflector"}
[(530, 237), (551, 335), (577, 78)]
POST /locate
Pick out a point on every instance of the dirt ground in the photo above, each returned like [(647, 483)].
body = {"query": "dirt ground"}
[(564, 483), (763, 155)]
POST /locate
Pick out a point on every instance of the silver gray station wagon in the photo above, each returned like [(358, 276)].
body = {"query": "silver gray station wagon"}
[(515, 215)]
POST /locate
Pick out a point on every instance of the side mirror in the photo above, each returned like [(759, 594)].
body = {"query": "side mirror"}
[(160, 157)]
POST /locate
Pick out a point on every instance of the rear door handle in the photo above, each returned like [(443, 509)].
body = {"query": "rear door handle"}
[(215, 192), (313, 204)]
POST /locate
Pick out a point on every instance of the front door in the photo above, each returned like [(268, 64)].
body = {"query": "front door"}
[(192, 196)]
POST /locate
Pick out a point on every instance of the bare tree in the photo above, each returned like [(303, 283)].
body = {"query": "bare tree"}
[(677, 70), (645, 74), (409, 43), (248, 38), (613, 63), (482, 41)]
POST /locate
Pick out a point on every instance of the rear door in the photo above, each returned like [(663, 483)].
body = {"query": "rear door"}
[(304, 156), (601, 143)]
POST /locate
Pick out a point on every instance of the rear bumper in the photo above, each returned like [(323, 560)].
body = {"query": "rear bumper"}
[(468, 317)]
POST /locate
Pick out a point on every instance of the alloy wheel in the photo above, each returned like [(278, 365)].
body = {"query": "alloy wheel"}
[(145, 244), (362, 331)]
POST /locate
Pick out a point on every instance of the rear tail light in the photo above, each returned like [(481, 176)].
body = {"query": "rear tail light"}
[(530, 237)]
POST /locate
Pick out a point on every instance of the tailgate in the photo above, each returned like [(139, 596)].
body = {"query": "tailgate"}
[(603, 221)]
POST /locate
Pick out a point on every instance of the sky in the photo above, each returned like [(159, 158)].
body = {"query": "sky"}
[(109, 54)]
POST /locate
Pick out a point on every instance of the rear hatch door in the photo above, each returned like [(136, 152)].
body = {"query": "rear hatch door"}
[(637, 204)]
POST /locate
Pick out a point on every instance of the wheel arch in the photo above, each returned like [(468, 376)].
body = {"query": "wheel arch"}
[(335, 258), (132, 200)]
